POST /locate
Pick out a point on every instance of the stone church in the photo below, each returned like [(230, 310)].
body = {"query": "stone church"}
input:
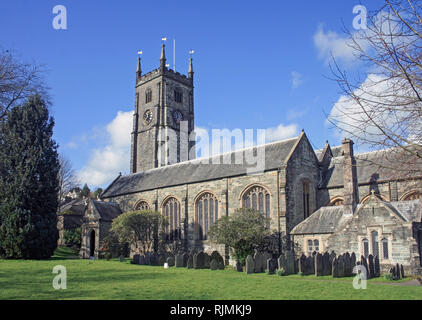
[(328, 199)]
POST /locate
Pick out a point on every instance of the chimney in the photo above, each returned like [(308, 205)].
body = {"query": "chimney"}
[(351, 196)]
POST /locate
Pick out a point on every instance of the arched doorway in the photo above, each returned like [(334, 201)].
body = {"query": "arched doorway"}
[(92, 244)]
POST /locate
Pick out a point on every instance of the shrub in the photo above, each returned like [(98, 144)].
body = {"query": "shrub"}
[(281, 272), (72, 237)]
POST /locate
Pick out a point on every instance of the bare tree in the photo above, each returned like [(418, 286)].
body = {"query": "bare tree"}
[(18, 81), (385, 110), (67, 177)]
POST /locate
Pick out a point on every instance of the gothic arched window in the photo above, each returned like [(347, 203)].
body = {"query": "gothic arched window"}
[(171, 210), (365, 247), (259, 199), (306, 196), (142, 205), (336, 202), (206, 214), (148, 96), (374, 239), (412, 196), (385, 254)]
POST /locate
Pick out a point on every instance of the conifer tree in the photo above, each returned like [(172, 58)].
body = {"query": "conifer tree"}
[(29, 182)]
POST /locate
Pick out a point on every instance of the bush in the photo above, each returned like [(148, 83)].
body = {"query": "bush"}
[(281, 272), (73, 237), (388, 277)]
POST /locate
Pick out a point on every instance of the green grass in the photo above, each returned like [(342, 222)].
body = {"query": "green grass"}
[(112, 279)]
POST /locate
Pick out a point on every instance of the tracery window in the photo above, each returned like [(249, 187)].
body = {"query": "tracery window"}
[(365, 247), (259, 199), (171, 210), (142, 205), (206, 214)]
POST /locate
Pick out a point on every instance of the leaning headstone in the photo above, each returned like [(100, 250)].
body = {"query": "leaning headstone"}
[(142, 260), (271, 266), (377, 268), (213, 264), (239, 266), (302, 264), (135, 258), (326, 264), (170, 261), (282, 263), (335, 272), (340, 264), (199, 260), (371, 266), (319, 265), (402, 271), (258, 258), (189, 262), (178, 260), (250, 265), (290, 263)]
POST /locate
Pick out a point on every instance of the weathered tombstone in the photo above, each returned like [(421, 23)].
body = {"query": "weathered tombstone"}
[(371, 266), (217, 256), (147, 258), (170, 261), (239, 266), (282, 263), (271, 266), (213, 264), (310, 264), (141, 260), (221, 265), (364, 264), (135, 258), (353, 260), (398, 271), (185, 257), (161, 259), (178, 260), (347, 265), (258, 258), (199, 260), (290, 263), (377, 269), (207, 260), (334, 265), (326, 264), (302, 264), (122, 259), (332, 257), (402, 271), (340, 265), (265, 257), (319, 265), (250, 265), (189, 262), (153, 259)]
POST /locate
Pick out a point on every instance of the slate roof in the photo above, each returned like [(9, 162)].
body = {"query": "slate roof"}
[(202, 169), (74, 207), (108, 211), (410, 210)]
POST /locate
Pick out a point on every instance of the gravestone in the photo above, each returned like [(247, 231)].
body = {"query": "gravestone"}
[(353, 260), (326, 264), (334, 265), (213, 264), (189, 261), (265, 257), (332, 257), (153, 259), (207, 260), (282, 263), (122, 259), (161, 259), (217, 256), (258, 258), (239, 267), (199, 260), (185, 257), (290, 263), (271, 266), (221, 265), (135, 258), (302, 264), (249, 265), (319, 265), (310, 264), (340, 264), (402, 271), (142, 260), (178, 260), (147, 258), (377, 269), (347, 265), (364, 264), (170, 261), (371, 266), (398, 271)]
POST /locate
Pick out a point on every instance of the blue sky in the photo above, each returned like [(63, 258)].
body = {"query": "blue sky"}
[(258, 64)]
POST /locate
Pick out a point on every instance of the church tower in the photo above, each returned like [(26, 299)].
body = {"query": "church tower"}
[(163, 119)]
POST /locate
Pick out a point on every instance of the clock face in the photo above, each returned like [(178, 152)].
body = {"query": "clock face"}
[(148, 116), (177, 116)]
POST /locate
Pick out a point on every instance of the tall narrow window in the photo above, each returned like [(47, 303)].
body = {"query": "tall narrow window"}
[(365, 247), (178, 96), (206, 214), (374, 239), (316, 245), (148, 96), (258, 198), (310, 247), (384, 248), (171, 210), (306, 210)]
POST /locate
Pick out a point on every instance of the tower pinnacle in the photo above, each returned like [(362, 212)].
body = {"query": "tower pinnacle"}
[(190, 72), (163, 56), (138, 69)]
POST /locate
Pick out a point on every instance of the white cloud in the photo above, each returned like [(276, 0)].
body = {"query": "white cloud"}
[(296, 79), (106, 162), (281, 132)]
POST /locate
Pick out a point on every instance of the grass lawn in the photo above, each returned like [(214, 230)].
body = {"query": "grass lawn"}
[(113, 279)]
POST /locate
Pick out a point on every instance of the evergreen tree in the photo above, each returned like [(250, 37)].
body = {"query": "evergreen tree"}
[(29, 183), (86, 192)]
